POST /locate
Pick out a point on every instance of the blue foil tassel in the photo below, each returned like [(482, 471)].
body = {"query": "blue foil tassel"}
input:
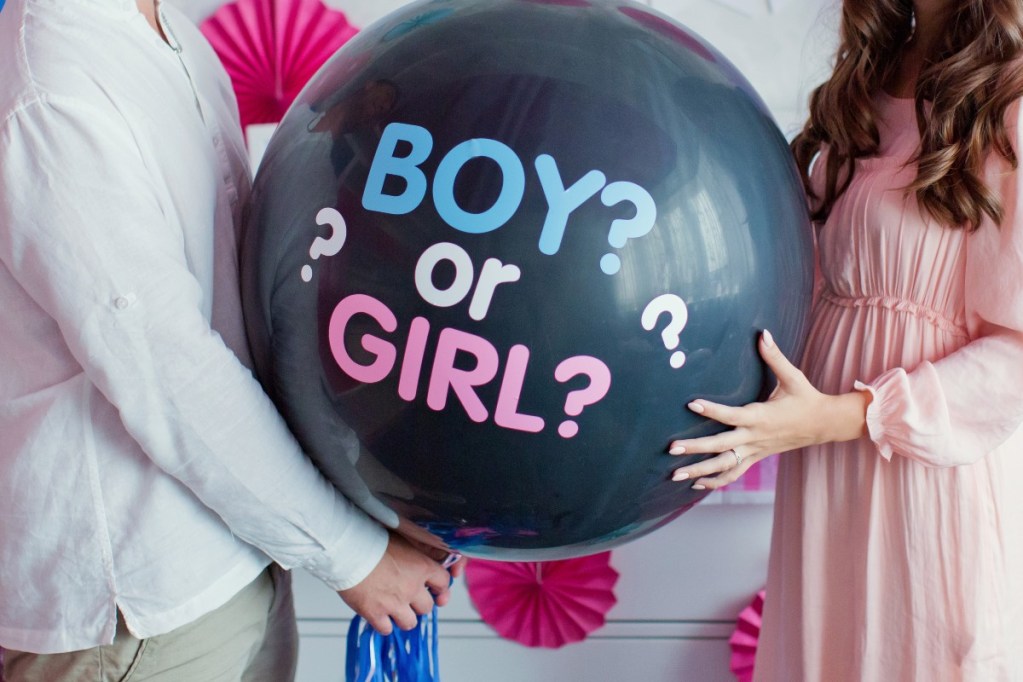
[(398, 657)]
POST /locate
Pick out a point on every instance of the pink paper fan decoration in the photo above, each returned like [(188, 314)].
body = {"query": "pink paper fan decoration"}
[(271, 48), (543, 604), (759, 478), (745, 637)]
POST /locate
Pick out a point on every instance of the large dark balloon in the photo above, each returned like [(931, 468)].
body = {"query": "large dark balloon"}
[(496, 247)]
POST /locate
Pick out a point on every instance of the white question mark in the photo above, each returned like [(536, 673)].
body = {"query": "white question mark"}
[(624, 229), (330, 246), (676, 308)]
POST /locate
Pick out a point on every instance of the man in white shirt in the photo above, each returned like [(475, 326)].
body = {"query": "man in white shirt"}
[(146, 480)]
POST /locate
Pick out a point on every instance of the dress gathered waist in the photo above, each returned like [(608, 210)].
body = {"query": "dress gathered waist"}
[(894, 303)]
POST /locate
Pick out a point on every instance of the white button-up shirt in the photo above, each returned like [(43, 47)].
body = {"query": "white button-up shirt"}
[(142, 468)]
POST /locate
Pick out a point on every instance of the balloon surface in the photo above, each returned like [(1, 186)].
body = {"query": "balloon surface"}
[(496, 247)]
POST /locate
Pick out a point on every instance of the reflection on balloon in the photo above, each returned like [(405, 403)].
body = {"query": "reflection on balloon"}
[(555, 224)]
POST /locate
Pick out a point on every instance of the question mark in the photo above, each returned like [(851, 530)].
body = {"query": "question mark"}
[(624, 229), (676, 308), (326, 247), (600, 382)]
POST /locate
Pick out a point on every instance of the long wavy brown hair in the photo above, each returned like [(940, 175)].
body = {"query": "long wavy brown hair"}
[(968, 82)]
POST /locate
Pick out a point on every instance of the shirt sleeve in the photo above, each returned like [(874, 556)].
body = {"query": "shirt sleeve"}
[(957, 409), (85, 235)]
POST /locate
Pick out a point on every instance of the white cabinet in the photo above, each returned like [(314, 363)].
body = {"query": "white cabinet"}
[(679, 591)]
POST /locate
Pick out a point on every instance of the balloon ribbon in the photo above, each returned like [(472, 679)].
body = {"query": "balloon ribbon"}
[(402, 656)]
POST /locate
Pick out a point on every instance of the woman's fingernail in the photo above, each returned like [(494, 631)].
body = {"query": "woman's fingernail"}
[(679, 476), (699, 487), (677, 450), (696, 407), (768, 339)]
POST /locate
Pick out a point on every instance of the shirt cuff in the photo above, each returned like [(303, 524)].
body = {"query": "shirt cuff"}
[(355, 554)]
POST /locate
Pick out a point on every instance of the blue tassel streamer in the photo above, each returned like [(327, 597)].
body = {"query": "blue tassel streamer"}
[(398, 657)]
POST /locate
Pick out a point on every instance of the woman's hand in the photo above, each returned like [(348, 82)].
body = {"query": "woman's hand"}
[(796, 415)]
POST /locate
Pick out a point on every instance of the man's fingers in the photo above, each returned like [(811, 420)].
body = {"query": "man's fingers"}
[(381, 624), (455, 563), (405, 617), (423, 602), (411, 580), (439, 581)]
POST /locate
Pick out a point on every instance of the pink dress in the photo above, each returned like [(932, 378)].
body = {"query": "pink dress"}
[(899, 557)]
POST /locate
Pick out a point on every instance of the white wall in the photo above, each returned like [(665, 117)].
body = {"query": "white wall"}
[(783, 51), (681, 587)]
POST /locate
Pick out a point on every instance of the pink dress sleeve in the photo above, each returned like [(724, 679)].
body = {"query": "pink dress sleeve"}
[(957, 409)]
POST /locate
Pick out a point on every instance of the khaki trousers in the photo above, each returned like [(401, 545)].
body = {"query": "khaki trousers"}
[(251, 638)]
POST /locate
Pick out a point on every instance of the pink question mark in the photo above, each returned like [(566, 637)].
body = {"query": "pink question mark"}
[(600, 382)]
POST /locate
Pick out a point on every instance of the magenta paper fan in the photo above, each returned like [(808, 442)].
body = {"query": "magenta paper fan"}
[(546, 603), (271, 48), (745, 637)]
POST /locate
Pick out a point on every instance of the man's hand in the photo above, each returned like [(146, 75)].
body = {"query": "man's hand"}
[(406, 582)]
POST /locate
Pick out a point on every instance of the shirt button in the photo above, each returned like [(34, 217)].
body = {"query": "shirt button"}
[(121, 302)]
